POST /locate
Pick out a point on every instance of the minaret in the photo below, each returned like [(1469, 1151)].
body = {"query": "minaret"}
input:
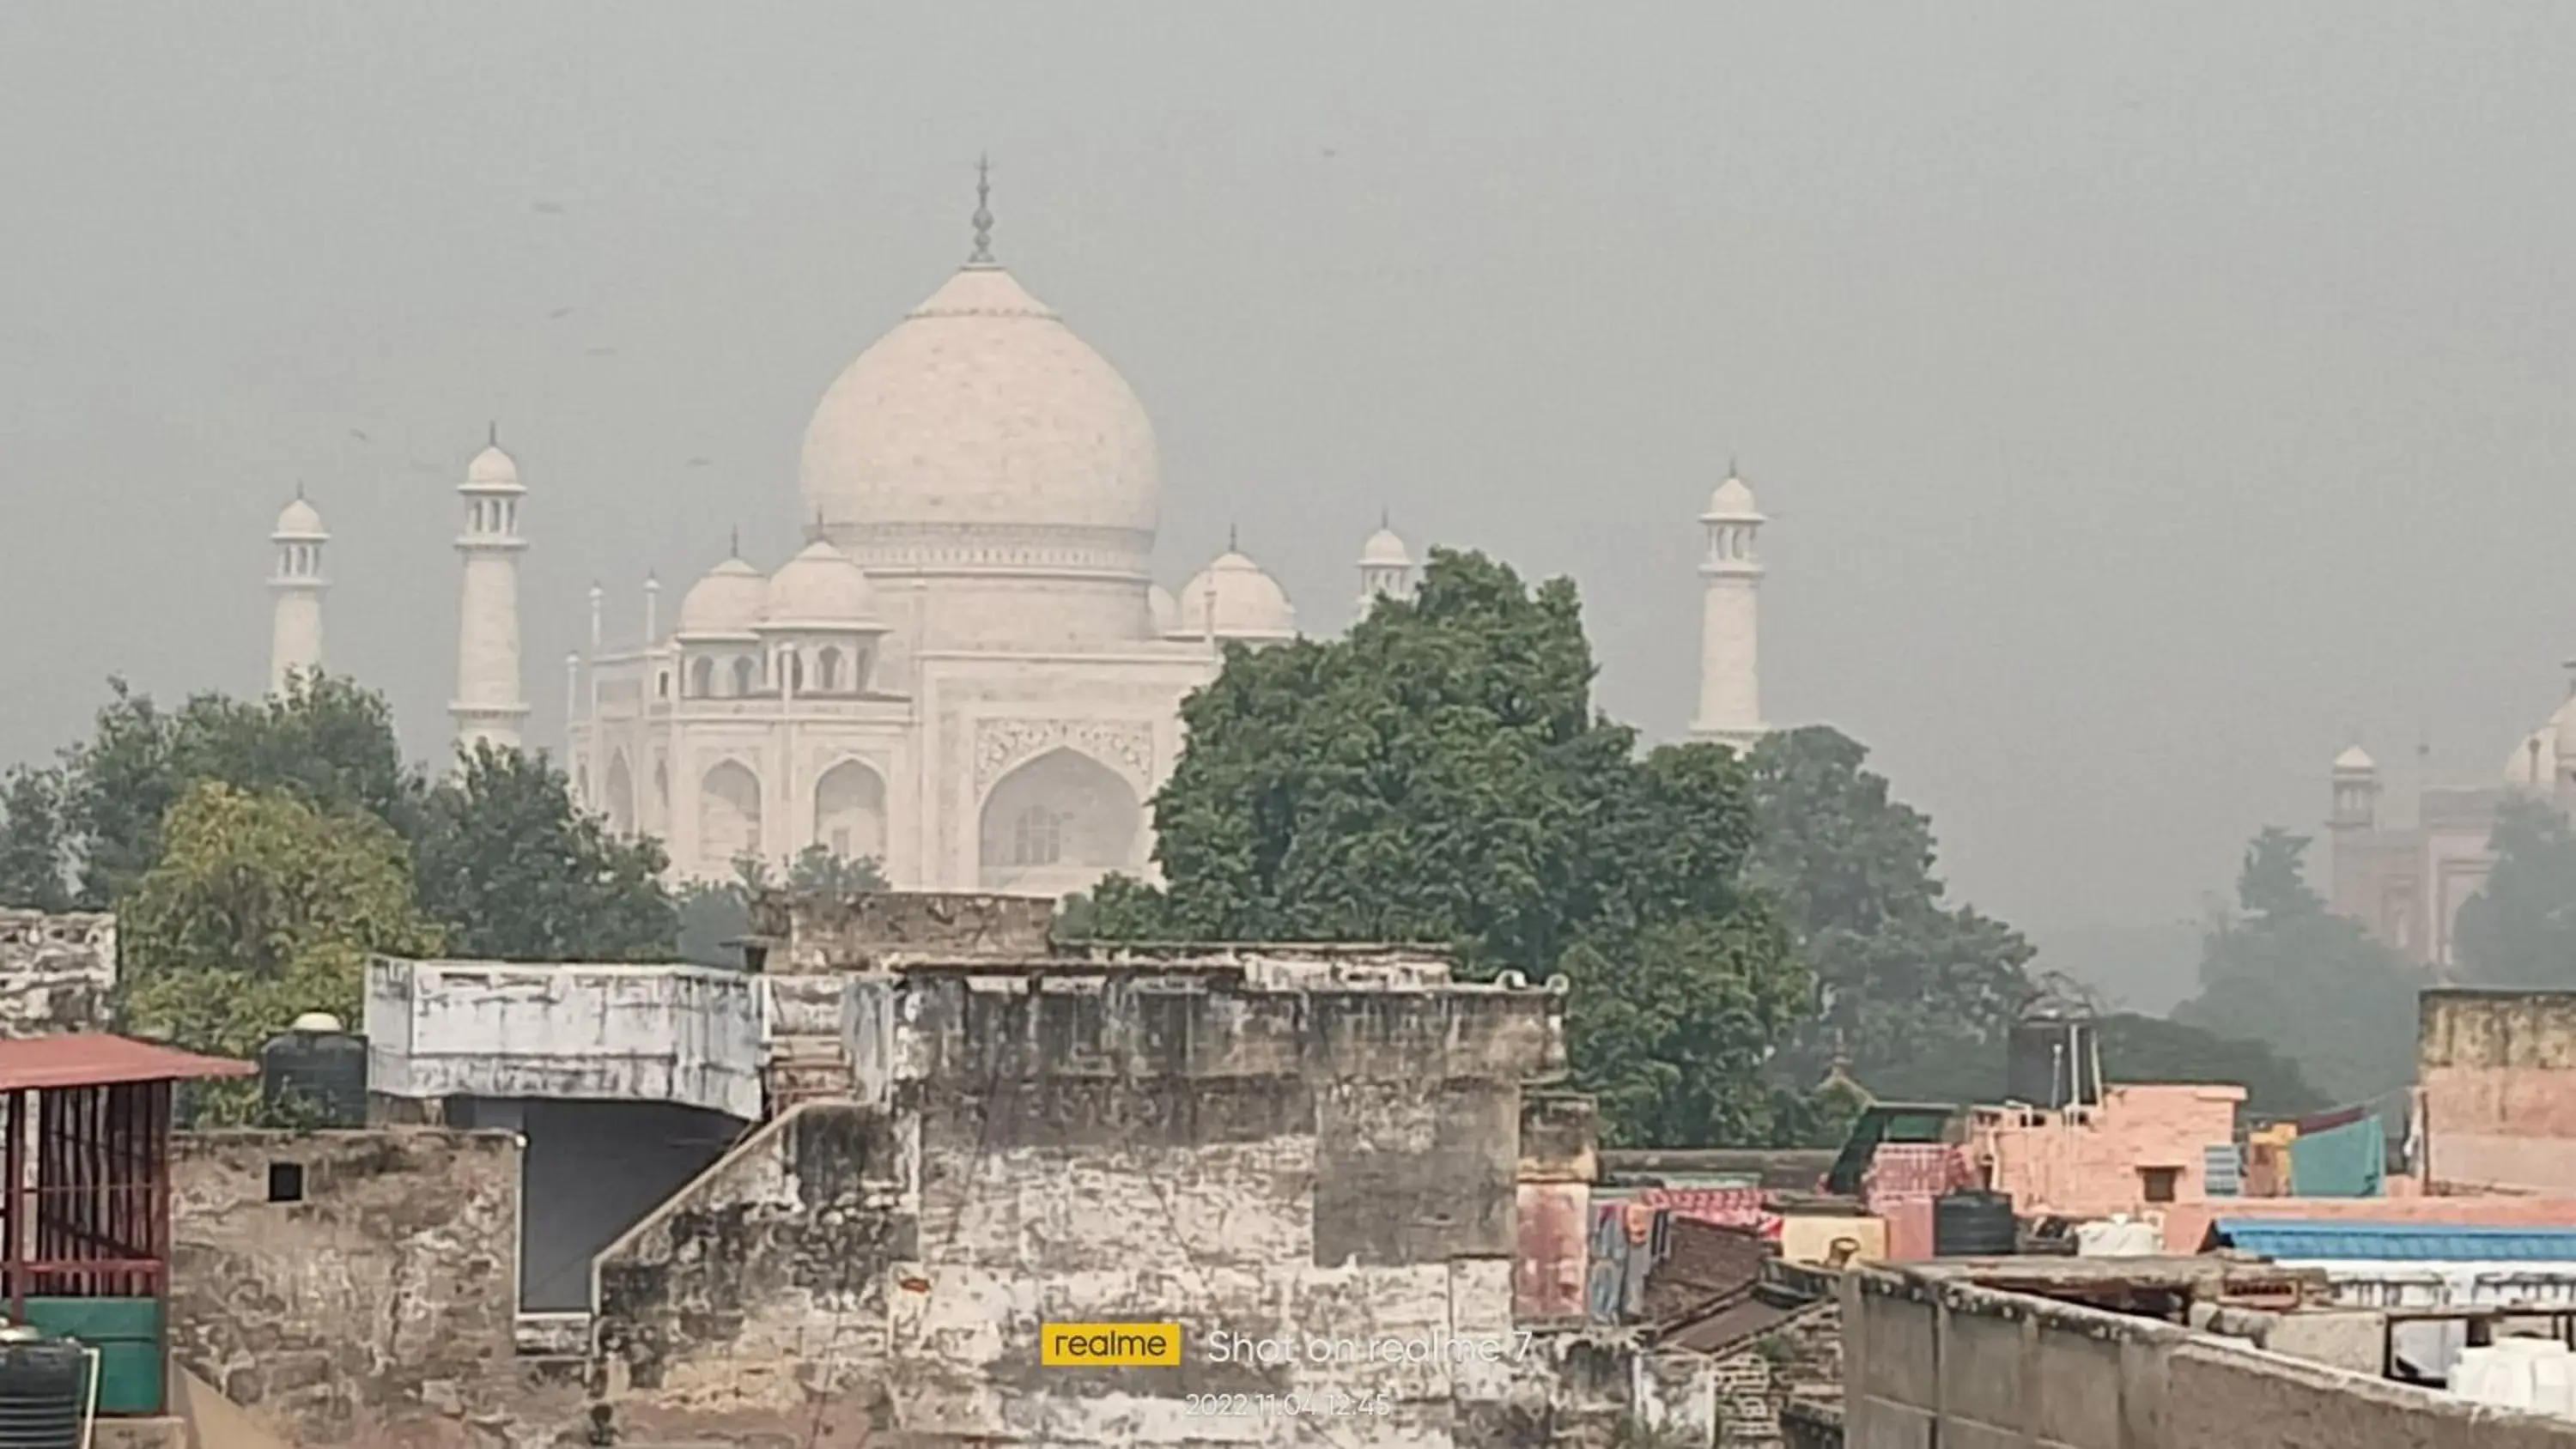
[(1730, 679), (295, 637), (2563, 741), (1386, 569), (489, 704), (2356, 791)]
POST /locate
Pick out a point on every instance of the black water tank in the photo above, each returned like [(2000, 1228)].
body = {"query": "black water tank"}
[(1974, 1225), (313, 1075), (44, 1387), (2051, 1064)]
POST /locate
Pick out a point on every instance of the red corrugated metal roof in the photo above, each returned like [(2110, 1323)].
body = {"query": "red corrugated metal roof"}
[(95, 1059)]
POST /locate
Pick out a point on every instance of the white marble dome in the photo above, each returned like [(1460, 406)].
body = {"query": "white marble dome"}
[(1384, 550), (727, 601), (1247, 603), (980, 413), (820, 588), (1166, 610), (299, 519), (492, 466), (1731, 499)]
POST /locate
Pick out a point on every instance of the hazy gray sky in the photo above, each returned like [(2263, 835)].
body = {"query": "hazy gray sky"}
[(2148, 398)]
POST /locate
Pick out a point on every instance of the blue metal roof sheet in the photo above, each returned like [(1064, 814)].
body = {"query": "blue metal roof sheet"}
[(2396, 1242)]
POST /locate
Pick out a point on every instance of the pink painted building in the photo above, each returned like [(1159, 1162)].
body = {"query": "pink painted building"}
[(2496, 1073), (2144, 1148)]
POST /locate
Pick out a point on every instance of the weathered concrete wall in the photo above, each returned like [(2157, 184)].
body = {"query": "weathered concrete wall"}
[(57, 972), (1928, 1362), (2497, 1072), (807, 934), (687, 1035), (378, 1306), (756, 1301), (589, 1171), (1273, 1146)]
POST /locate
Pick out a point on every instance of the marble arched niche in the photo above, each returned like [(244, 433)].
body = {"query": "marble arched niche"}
[(850, 811), (728, 813), (1058, 817), (620, 790)]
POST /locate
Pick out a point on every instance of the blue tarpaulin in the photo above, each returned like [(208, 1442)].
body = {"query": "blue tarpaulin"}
[(2302, 1240)]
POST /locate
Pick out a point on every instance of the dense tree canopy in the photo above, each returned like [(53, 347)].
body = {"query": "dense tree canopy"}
[(1440, 776), (2283, 970), (261, 907), (2138, 1048), (713, 914), (1911, 987), (517, 872), (327, 742), (2520, 930), (34, 855)]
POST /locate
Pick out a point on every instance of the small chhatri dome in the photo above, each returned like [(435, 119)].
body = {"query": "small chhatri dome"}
[(2355, 760), (1385, 550), (819, 588), (1247, 603), (727, 601), (1732, 499), (492, 466), (299, 520)]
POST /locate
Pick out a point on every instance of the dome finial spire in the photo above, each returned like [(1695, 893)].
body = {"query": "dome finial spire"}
[(492, 433), (815, 532), (1233, 538), (983, 253), (733, 543)]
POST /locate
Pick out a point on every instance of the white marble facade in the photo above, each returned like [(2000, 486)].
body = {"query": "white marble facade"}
[(968, 672)]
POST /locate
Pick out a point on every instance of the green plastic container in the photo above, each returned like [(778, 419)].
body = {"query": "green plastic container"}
[(132, 1358)]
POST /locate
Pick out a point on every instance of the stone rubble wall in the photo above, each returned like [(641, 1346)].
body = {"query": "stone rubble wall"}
[(57, 972)]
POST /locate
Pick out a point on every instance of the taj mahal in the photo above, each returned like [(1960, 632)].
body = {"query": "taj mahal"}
[(969, 673)]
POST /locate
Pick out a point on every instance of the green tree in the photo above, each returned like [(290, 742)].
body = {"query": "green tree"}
[(260, 908), (516, 871), (1911, 986), (714, 913), (1440, 776), (2139, 1048), (2520, 929), (2314, 986), (34, 857), (1671, 1032), (326, 741)]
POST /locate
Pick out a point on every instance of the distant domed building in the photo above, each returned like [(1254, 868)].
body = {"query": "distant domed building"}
[(969, 672), (2406, 876)]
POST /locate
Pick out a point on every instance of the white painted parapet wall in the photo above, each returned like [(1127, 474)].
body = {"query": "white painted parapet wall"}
[(688, 1035)]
